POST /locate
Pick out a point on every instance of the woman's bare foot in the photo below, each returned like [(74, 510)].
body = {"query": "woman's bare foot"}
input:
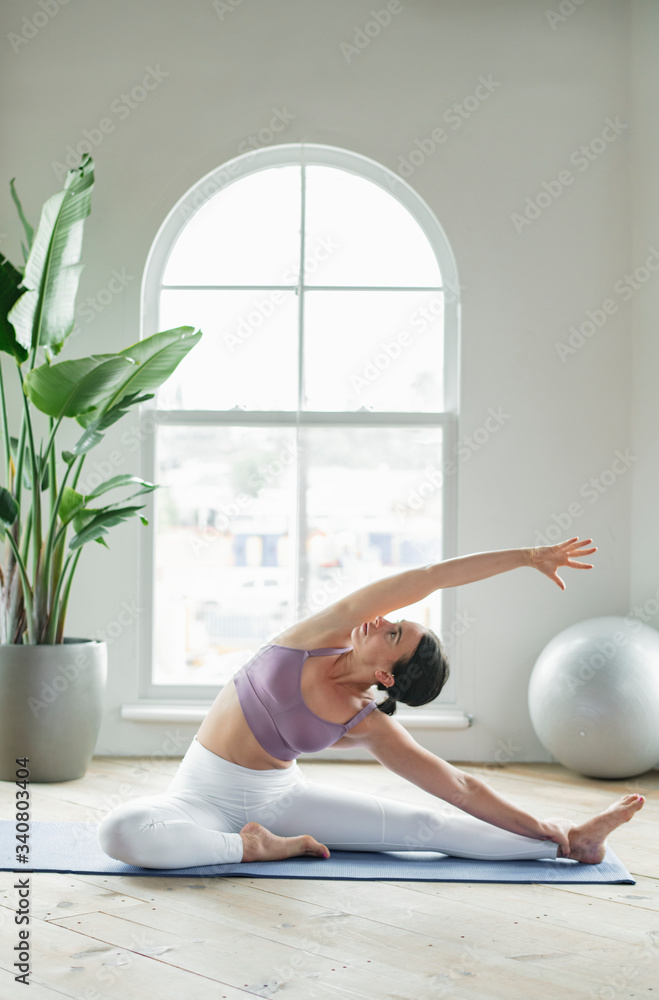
[(588, 840), (260, 844)]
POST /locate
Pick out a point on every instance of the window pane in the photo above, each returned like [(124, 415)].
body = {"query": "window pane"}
[(374, 508), (379, 350), (257, 527), (247, 356), (247, 234), (368, 237), (224, 528)]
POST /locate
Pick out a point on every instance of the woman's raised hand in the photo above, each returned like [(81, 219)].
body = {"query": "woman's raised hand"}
[(548, 558)]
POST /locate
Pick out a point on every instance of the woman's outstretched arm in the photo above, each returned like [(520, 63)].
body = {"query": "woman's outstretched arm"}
[(413, 585), (394, 747), (410, 586)]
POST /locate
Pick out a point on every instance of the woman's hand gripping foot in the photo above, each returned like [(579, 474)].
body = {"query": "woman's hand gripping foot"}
[(587, 841)]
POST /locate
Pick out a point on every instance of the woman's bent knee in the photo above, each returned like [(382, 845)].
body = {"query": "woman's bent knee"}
[(124, 833)]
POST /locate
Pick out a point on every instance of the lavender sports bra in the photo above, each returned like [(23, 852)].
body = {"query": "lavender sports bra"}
[(270, 695)]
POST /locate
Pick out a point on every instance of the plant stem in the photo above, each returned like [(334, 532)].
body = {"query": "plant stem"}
[(27, 593), (4, 599), (16, 607), (20, 454), (78, 471), (5, 431), (53, 617), (65, 597), (27, 534), (51, 458), (54, 427), (36, 494), (15, 604), (55, 544), (55, 576), (51, 539)]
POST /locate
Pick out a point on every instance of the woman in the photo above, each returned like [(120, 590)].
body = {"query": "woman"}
[(239, 795)]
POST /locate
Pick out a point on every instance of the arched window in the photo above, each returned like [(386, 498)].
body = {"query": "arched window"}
[(304, 445)]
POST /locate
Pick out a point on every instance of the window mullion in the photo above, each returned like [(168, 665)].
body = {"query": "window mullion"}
[(300, 290), (230, 288), (307, 418), (300, 570), (301, 583), (298, 286)]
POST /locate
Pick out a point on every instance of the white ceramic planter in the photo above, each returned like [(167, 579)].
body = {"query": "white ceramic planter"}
[(51, 704)]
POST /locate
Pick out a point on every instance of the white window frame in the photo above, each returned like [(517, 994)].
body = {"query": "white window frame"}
[(186, 702)]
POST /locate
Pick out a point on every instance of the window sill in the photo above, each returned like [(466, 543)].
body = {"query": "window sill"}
[(154, 711)]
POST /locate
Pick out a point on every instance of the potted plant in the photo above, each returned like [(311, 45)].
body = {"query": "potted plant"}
[(51, 686)]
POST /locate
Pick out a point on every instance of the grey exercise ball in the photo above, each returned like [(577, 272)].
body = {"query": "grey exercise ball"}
[(594, 697)]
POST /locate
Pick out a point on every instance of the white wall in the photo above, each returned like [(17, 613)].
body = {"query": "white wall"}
[(644, 171), (524, 286)]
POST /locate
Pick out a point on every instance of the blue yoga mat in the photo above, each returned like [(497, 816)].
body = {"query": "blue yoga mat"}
[(73, 848)]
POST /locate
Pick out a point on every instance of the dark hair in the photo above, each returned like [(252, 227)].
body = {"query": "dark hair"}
[(419, 679)]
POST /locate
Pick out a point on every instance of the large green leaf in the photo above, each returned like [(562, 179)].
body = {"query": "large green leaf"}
[(124, 479), (101, 420), (91, 529), (11, 289), (156, 357), (45, 314), (155, 354), (70, 503), (73, 387), (8, 506)]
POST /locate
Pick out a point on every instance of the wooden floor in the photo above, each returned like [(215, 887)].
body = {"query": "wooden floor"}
[(96, 937)]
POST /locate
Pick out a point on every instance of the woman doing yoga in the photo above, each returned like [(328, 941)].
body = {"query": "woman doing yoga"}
[(239, 795)]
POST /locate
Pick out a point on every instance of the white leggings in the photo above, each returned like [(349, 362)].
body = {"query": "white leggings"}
[(197, 821)]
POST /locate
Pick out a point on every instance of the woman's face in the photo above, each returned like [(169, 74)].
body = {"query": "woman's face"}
[(381, 642)]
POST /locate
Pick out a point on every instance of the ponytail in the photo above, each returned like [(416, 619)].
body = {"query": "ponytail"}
[(388, 705)]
